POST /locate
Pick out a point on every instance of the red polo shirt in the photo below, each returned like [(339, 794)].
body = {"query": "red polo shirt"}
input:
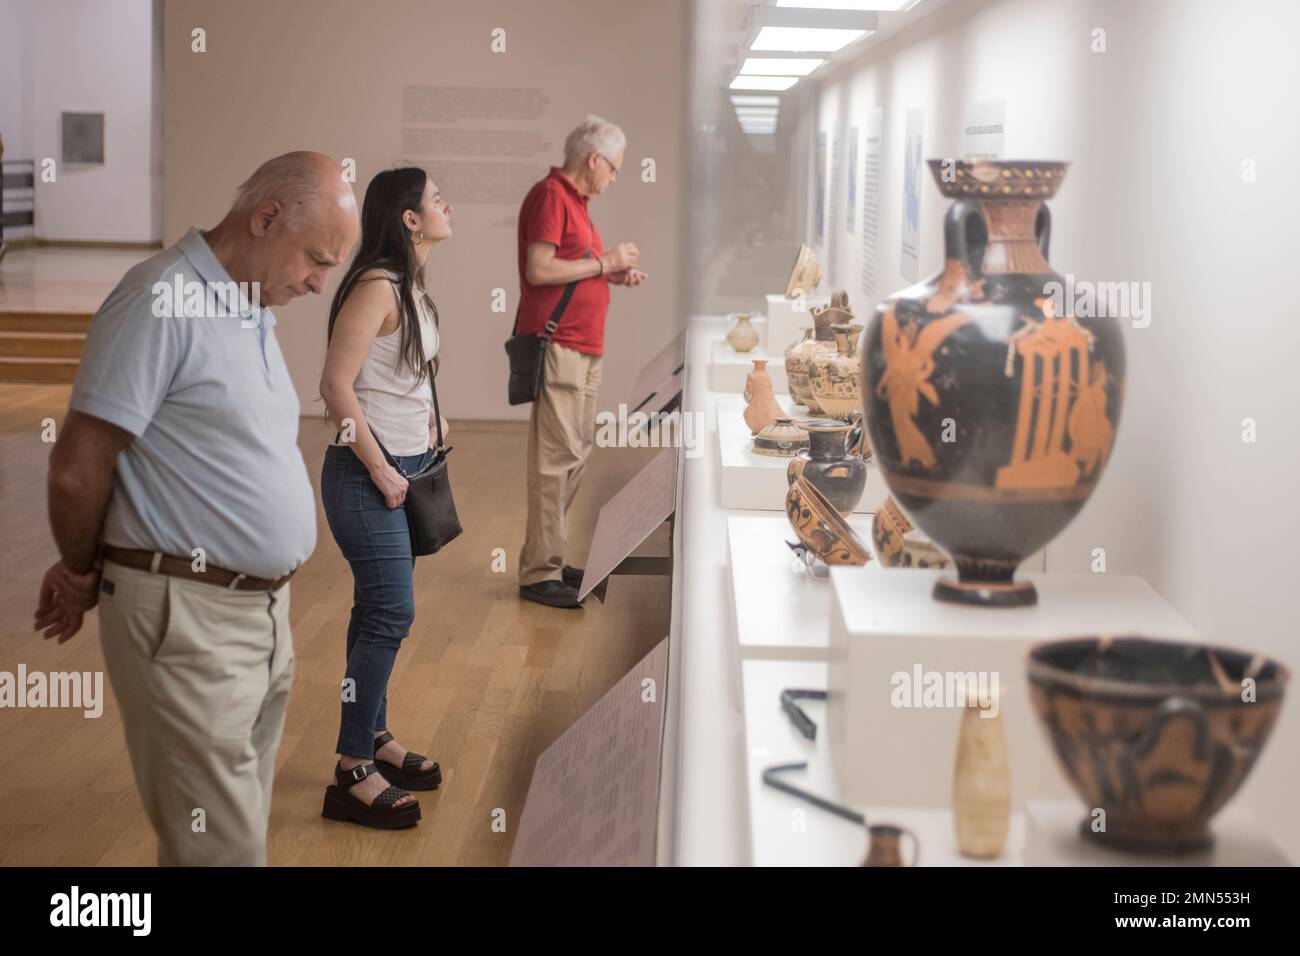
[(555, 212)]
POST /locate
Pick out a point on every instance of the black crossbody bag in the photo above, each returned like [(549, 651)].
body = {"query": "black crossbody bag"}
[(527, 353), (430, 510)]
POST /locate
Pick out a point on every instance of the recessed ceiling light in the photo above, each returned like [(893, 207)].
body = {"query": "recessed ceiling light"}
[(780, 66), (804, 39), (756, 100), (779, 83), (805, 30), (886, 6)]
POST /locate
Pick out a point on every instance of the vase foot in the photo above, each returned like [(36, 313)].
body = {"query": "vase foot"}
[(985, 593), (1151, 842)]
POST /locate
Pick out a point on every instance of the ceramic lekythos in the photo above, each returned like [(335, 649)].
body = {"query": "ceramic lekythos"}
[(884, 845), (820, 528), (781, 438), (836, 377), (827, 464), (898, 544), (805, 274), (981, 784), (763, 408), (992, 412), (1154, 736), (742, 337)]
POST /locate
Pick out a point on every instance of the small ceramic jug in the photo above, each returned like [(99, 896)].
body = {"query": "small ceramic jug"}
[(884, 845), (828, 465)]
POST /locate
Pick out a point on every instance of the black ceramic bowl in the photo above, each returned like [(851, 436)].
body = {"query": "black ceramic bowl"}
[(1156, 735)]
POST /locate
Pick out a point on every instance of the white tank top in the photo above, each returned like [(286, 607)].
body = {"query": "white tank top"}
[(394, 405)]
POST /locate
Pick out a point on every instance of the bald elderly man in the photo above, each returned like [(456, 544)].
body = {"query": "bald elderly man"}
[(180, 503)]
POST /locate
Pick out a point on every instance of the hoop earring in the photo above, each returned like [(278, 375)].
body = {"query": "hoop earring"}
[(417, 237)]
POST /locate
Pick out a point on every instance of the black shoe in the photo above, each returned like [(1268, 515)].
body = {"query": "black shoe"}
[(572, 576), (551, 593), (408, 776), (382, 814)]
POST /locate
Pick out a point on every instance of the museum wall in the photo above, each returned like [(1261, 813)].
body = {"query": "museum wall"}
[(112, 44), (1164, 130), (407, 86), (17, 16)]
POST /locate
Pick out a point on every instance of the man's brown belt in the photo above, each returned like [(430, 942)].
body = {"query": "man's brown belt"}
[(176, 567)]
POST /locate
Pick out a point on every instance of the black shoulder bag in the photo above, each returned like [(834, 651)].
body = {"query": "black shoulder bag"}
[(527, 353), (430, 510)]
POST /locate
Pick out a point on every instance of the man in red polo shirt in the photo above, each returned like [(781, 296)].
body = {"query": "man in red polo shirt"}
[(560, 247)]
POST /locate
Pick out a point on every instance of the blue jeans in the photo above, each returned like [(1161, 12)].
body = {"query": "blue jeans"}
[(376, 542)]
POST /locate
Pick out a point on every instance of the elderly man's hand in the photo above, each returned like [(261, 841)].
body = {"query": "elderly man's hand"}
[(64, 599), (622, 257), (628, 277)]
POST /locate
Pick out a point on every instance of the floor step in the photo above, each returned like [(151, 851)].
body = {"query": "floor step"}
[(42, 371), (18, 321), (62, 345)]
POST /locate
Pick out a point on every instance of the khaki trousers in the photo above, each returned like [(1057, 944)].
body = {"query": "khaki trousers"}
[(202, 677), (561, 433)]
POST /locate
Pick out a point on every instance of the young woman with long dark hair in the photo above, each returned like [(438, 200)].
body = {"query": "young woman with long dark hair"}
[(377, 381)]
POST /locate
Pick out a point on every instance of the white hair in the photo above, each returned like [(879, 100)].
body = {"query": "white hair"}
[(593, 135), (295, 181)]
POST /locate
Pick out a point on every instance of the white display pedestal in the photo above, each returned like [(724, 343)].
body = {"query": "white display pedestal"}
[(757, 482), (886, 624), (782, 611), (787, 318), (779, 610), (1053, 839), (728, 368), (787, 831)]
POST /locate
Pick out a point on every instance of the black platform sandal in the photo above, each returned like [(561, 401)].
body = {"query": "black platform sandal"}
[(409, 774), (340, 804)]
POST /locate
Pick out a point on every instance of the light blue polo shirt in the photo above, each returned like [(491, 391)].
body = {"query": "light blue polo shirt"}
[(215, 461)]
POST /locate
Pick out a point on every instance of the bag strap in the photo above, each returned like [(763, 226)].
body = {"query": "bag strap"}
[(557, 313), (437, 413), (387, 457)]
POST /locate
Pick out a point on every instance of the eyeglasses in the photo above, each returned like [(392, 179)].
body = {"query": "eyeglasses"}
[(612, 168)]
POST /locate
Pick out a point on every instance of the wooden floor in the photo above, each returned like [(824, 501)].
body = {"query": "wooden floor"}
[(63, 278), (483, 685)]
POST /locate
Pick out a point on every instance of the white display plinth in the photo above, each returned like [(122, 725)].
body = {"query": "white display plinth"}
[(885, 624), (757, 482), (780, 611), (1053, 839), (787, 318), (728, 368), (787, 831)]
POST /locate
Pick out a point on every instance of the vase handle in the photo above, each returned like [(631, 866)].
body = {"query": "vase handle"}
[(965, 217), (1043, 229)]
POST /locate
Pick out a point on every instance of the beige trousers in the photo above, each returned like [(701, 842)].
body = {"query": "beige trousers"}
[(561, 433), (202, 676)]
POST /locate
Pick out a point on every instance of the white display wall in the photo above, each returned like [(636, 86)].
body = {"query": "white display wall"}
[(112, 44), (1182, 182)]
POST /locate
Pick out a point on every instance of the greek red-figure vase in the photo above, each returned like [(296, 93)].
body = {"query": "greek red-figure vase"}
[(992, 412)]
